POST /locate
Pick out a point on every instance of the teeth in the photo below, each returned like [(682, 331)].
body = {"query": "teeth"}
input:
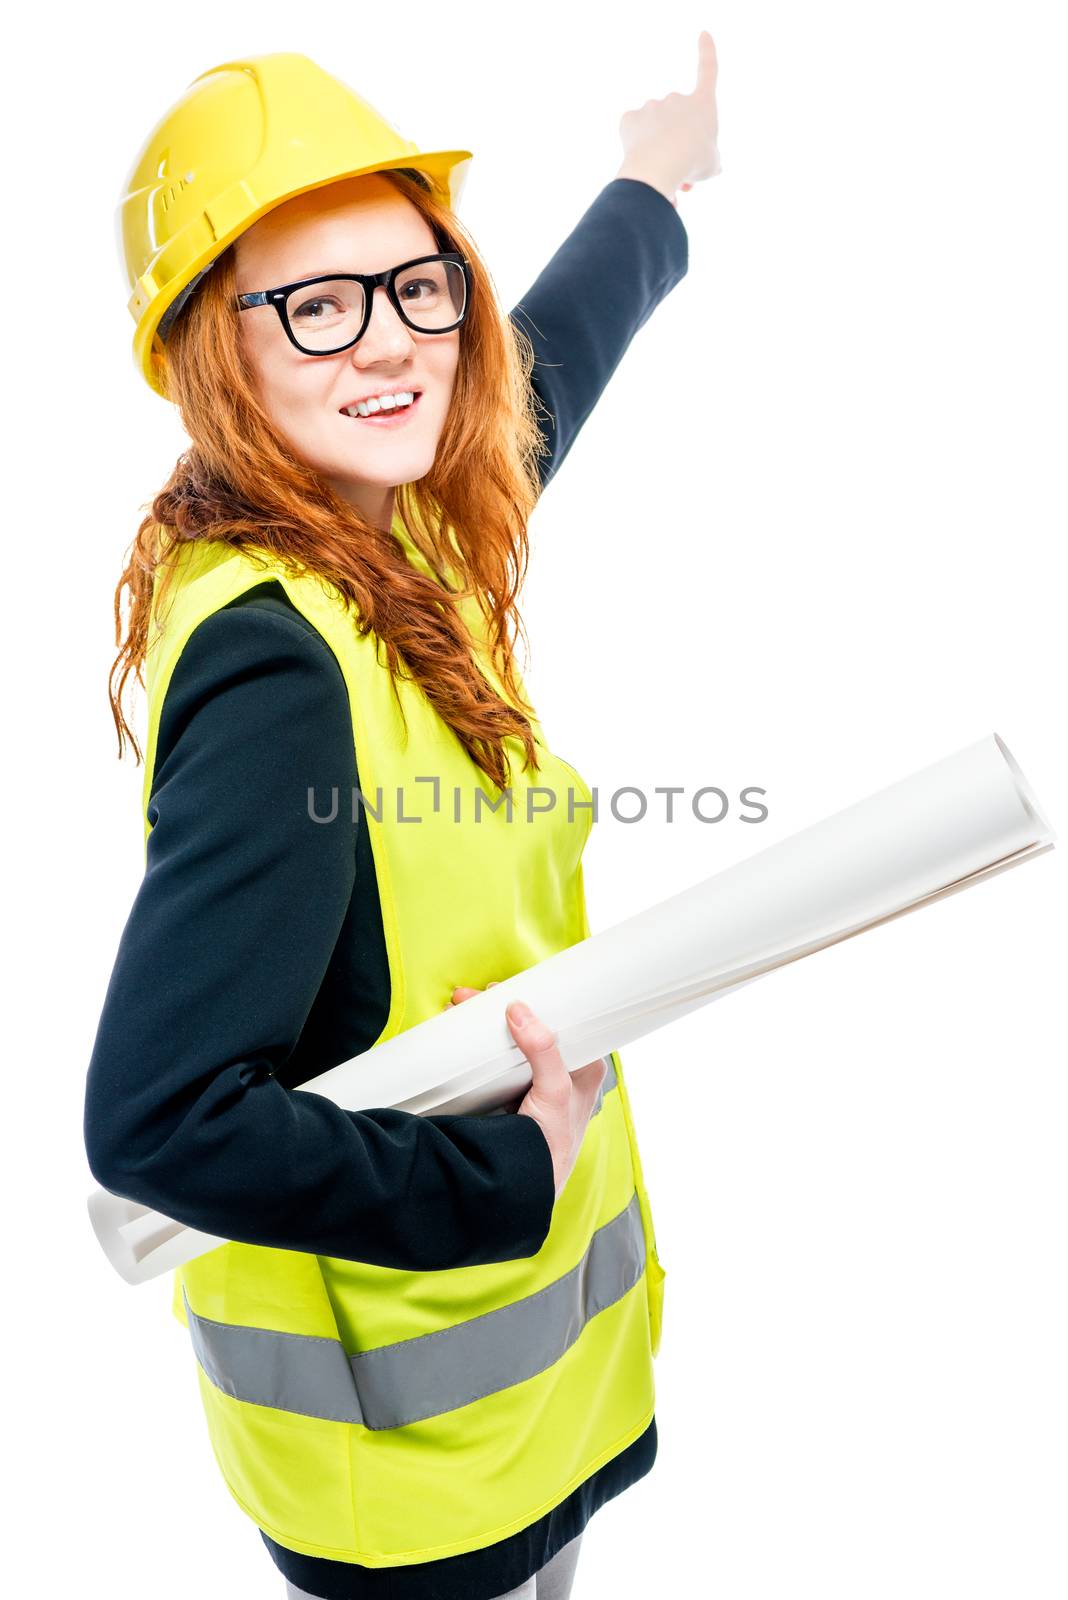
[(385, 402)]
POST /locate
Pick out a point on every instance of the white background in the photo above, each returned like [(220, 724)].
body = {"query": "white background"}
[(808, 541)]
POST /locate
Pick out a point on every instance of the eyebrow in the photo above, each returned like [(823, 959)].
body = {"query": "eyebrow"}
[(335, 272)]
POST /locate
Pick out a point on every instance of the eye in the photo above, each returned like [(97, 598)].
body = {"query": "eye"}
[(420, 284), (318, 309)]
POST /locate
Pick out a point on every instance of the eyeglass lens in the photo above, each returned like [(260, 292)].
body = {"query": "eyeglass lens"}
[(326, 314)]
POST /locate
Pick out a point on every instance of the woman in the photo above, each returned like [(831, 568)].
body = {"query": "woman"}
[(425, 1358)]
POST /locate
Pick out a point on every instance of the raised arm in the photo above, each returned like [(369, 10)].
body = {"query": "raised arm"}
[(628, 250)]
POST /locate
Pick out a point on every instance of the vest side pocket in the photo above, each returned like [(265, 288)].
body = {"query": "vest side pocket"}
[(655, 1275)]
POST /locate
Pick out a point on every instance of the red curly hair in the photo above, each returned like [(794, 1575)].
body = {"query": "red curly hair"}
[(241, 483)]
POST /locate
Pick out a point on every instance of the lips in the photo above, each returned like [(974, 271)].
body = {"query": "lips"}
[(392, 418), (384, 393)]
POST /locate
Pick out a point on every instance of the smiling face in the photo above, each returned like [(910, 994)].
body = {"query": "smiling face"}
[(357, 225)]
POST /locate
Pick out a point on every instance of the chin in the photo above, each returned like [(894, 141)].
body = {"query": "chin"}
[(391, 468)]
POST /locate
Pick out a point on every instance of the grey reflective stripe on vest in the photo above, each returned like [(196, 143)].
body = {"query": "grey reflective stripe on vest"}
[(434, 1372)]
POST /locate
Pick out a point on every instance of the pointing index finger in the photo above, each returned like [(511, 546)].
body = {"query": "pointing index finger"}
[(707, 64)]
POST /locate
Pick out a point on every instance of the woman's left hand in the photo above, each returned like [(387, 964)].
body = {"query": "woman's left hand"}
[(672, 143), (465, 992)]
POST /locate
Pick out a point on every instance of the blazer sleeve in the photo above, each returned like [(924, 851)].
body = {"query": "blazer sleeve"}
[(627, 252), (229, 936)]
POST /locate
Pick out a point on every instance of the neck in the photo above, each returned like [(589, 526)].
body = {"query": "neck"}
[(371, 500)]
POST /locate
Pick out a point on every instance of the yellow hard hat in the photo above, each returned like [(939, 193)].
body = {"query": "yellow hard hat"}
[(244, 137)]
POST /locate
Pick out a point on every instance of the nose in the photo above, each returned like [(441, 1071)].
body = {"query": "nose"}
[(386, 337)]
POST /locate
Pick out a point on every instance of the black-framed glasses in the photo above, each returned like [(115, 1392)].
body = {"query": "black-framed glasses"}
[(323, 316)]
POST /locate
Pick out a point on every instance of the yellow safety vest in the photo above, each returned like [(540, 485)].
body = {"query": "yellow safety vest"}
[(366, 1414)]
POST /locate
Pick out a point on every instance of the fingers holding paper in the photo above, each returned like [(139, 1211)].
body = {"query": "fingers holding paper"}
[(559, 1101)]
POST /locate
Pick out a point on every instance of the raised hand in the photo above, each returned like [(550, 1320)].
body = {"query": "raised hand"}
[(673, 143)]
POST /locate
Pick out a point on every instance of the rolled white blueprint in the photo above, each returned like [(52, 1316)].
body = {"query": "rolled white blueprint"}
[(947, 826)]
